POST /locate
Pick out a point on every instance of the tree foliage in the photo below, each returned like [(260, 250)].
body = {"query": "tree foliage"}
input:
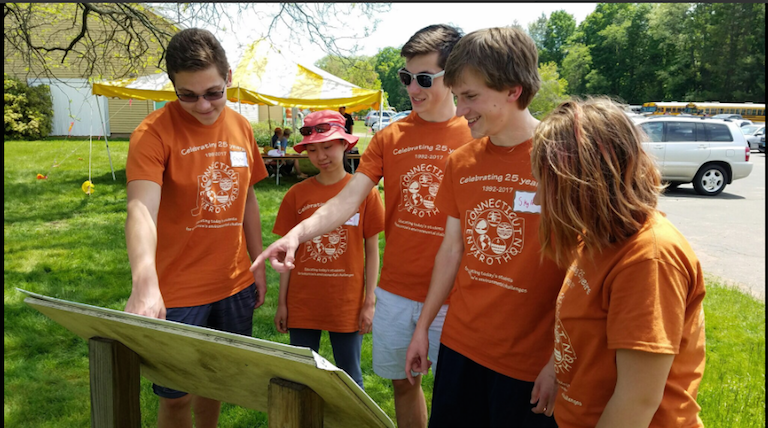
[(27, 111), (640, 52), (83, 39), (119, 39), (358, 70), (376, 72), (559, 28), (388, 62), (553, 91)]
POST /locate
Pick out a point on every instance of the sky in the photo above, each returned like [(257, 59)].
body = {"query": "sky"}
[(404, 19)]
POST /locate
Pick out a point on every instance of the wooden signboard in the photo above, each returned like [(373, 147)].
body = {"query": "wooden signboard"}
[(222, 366)]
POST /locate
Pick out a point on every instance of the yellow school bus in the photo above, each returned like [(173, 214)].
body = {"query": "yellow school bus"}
[(752, 111), (656, 108)]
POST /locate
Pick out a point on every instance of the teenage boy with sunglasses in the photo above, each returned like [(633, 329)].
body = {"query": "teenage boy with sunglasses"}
[(193, 218), (410, 155), (499, 331)]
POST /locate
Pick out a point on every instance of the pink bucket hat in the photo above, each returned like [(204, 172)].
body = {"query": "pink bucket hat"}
[(332, 122)]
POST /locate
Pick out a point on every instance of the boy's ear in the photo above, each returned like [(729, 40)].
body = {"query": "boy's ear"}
[(229, 78), (514, 93)]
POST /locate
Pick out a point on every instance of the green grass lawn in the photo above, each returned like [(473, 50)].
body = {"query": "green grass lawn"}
[(62, 243)]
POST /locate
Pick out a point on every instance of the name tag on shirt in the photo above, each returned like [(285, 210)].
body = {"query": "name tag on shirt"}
[(354, 220), (237, 159), (524, 202)]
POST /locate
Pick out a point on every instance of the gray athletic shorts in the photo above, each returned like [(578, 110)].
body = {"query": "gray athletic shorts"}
[(393, 324)]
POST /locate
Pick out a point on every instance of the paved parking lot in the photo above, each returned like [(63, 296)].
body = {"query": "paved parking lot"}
[(726, 231)]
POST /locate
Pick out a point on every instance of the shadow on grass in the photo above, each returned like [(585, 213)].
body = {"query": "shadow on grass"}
[(46, 201)]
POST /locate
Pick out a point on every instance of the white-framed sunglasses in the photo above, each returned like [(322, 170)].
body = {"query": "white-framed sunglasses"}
[(423, 79)]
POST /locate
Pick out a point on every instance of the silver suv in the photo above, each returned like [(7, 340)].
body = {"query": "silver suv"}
[(373, 116), (710, 153)]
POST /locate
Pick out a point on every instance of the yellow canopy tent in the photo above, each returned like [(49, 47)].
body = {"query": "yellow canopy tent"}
[(263, 76)]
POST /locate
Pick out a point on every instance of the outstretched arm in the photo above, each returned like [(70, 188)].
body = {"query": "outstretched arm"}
[(330, 216), (141, 242)]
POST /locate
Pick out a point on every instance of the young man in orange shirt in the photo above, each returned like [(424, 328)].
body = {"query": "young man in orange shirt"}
[(193, 218), (410, 154), (498, 333)]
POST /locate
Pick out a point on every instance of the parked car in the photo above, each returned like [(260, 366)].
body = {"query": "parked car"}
[(378, 126), (634, 117), (373, 116), (753, 133), (400, 115), (740, 121), (709, 153), (727, 116), (761, 145)]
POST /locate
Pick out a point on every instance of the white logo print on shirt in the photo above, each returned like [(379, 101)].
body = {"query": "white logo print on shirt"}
[(493, 233), (564, 353), (326, 248), (419, 188), (217, 189)]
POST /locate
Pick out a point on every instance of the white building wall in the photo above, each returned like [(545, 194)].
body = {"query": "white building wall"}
[(74, 104)]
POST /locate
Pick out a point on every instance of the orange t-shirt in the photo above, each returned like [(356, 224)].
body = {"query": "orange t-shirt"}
[(411, 154), (502, 310), (205, 172), (327, 287), (643, 294)]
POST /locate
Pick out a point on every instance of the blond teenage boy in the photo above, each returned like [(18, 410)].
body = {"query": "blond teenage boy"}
[(193, 222), (498, 333), (410, 154)]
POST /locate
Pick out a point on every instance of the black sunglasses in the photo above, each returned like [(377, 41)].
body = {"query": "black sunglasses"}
[(423, 79), (320, 128), (210, 96)]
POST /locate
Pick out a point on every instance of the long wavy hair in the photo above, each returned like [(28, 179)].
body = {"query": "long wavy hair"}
[(597, 186)]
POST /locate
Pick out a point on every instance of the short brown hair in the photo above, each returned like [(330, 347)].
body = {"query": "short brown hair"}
[(503, 57), (597, 185), (195, 49), (438, 38)]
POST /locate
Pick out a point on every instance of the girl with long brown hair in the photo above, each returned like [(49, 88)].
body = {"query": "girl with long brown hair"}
[(629, 331)]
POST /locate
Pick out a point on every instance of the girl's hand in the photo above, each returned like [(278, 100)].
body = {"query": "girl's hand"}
[(281, 319), (365, 321)]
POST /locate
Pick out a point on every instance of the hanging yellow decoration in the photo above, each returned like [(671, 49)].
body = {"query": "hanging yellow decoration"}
[(88, 187)]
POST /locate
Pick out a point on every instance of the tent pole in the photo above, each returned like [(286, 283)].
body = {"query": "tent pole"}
[(90, 149), (381, 107), (106, 143), (239, 103)]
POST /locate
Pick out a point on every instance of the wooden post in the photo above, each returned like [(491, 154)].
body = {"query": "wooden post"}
[(293, 405), (115, 383)]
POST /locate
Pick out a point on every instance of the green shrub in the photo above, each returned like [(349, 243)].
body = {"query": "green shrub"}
[(28, 110)]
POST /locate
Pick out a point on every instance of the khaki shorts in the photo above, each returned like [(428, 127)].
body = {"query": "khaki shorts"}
[(393, 324)]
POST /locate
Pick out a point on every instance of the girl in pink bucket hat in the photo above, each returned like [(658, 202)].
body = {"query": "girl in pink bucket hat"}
[(322, 126), (332, 286)]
